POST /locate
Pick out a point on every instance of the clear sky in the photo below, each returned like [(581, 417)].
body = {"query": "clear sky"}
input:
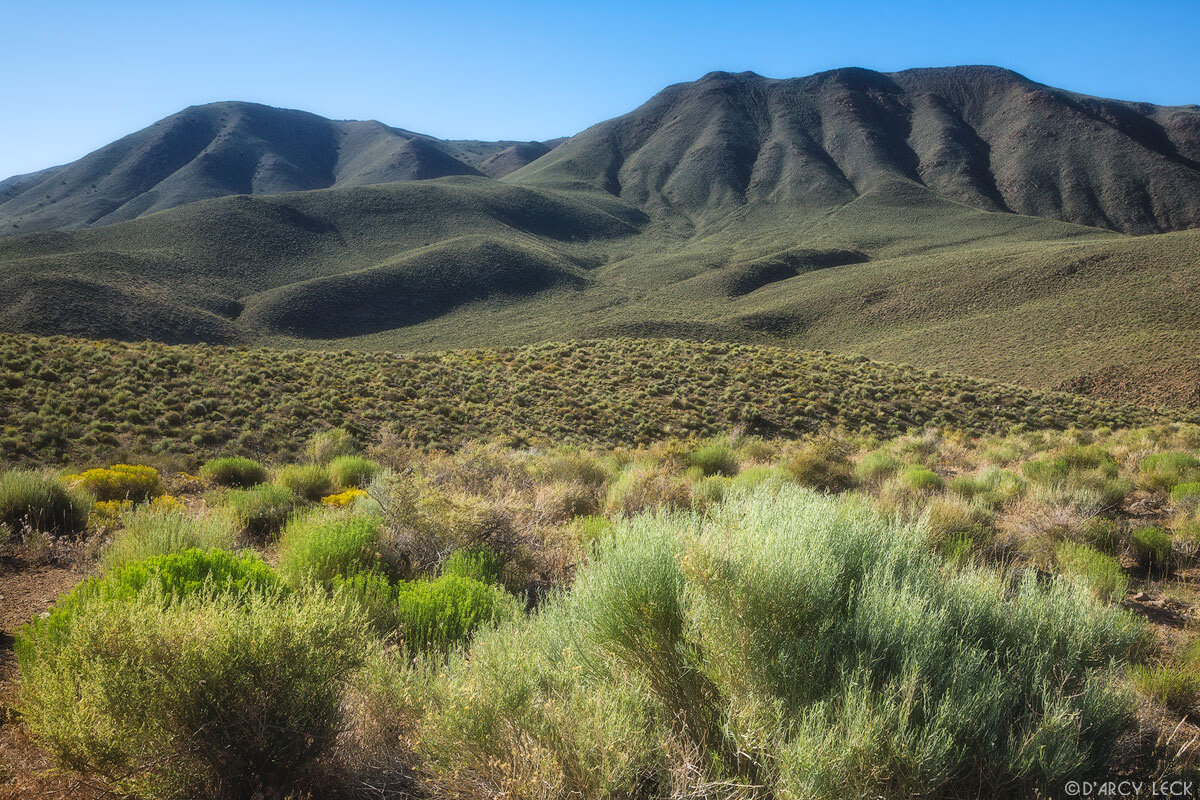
[(79, 74)]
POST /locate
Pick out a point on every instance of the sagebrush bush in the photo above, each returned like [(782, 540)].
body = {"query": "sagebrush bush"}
[(1176, 687), (309, 482), (877, 465), (351, 472), (1161, 471), (120, 482), (571, 468), (1187, 494), (149, 531), (240, 473), (374, 594), (441, 614), (207, 696), (41, 501), (321, 546), (261, 510), (642, 487), (921, 479), (327, 445)]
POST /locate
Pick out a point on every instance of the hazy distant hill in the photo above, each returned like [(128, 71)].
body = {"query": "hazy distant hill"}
[(238, 148), (961, 218)]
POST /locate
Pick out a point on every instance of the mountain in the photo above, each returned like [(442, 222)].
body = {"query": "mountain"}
[(983, 136), (965, 219), (238, 148)]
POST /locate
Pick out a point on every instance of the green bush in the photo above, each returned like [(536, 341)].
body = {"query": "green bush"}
[(479, 563), (571, 468), (374, 594), (1046, 470), (440, 614), (209, 696), (308, 482), (641, 487), (1102, 574), (1186, 493), (1152, 548), (321, 546), (42, 501), (241, 473), (1178, 688), (148, 531), (1161, 471), (714, 459), (921, 479), (877, 465), (327, 445), (261, 510), (351, 472)]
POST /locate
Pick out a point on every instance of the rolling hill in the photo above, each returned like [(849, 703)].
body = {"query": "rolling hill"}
[(233, 148), (965, 219)]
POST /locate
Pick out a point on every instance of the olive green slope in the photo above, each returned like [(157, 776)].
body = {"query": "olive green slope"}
[(99, 401)]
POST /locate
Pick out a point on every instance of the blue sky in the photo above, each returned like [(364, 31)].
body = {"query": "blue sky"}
[(78, 75)]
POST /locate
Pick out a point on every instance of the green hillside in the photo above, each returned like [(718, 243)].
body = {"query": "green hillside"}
[(82, 400)]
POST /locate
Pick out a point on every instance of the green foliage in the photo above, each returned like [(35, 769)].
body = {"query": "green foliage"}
[(327, 445), (1176, 687), (714, 459), (42, 501), (208, 696), (921, 479), (319, 547), (148, 531), (640, 487), (261, 510), (1186, 493), (441, 614), (351, 472), (1162, 471), (308, 482), (1102, 574), (480, 564), (1152, 548), (238, 472), (373, 593), (877, 465)]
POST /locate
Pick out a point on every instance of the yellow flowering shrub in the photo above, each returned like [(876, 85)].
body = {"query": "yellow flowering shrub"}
[(167, 502), (343, 499), (120, 482), (107, 512)]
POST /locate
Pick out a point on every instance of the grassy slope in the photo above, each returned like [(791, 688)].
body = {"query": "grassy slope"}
[(94, 400)]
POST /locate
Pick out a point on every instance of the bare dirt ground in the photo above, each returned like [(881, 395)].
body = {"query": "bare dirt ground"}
[(26, 590)]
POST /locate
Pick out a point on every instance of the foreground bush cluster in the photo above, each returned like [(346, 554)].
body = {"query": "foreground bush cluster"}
[(931, 615), (86, 401)]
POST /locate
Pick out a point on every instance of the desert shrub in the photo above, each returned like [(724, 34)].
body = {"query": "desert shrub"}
[(261, 510), (1102, 533), (321, 546), (207, 696), (479, 563), (373, 593), (327, 445), (441, 614), (1100, 573), (812, 635), (571, 468), (1161, 471), (821, 465), (120, 482), (1151, 548), (877, 465), (150, 531), (709, 491), (1176, 687), (352, 472), (308, 482), (1187, 494), (953, 520), (344, 499), (921, 479), (716, 458), (1086, 457), (237, 472), (43, 502), (562, 500), (641, 487), (1046, 470), (586, 531)]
